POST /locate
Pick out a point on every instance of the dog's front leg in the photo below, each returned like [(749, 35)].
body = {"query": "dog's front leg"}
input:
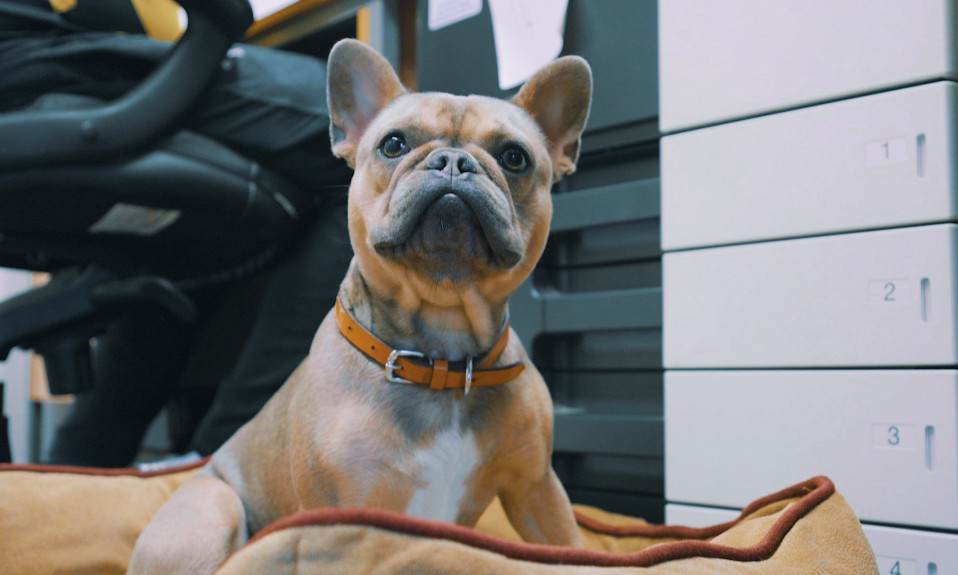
[(541, 512), (194, 532)]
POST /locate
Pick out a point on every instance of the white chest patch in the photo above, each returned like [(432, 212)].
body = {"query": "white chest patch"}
[(442, 470)]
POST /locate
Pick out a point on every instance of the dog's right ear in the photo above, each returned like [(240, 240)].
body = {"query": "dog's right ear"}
[(359, 83)]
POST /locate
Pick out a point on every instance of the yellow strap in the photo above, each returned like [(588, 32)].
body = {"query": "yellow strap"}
[(160, 18), (62, 6)]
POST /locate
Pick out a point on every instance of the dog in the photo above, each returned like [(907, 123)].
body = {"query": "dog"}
[(416, 396)]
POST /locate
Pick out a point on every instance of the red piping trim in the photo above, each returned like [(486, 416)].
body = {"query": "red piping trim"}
[(111, 472), (809, 493)]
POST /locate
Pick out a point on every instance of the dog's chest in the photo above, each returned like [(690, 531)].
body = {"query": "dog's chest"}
[(442, 471)]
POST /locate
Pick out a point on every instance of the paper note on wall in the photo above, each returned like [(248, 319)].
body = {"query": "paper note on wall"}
[(264, 8), (528, 35), (444, 13)]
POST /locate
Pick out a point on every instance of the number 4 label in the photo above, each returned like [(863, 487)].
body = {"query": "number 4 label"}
[(896, 566)]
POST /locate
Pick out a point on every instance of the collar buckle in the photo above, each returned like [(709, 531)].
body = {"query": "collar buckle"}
[(468, 374), (389, 370)]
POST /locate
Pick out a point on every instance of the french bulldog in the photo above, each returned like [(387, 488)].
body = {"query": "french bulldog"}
[(416, 396)]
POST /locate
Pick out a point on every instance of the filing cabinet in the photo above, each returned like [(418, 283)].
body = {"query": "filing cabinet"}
[(725, 60), (591, 319), (873, 162), (887, 438), (881, 298), (809, 199), (898, 551)]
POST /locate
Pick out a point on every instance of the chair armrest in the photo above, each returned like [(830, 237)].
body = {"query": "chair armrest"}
[(141, 116)]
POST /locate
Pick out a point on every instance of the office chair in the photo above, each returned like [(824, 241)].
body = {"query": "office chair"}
[(126, 209)]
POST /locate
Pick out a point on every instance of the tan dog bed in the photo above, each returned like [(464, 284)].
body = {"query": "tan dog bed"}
[(75, 520)]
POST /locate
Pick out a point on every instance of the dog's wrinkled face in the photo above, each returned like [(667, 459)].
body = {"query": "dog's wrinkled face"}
[(454, 189), (466, 181)]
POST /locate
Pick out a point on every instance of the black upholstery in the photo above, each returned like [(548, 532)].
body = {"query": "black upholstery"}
[(139, 118), (127, 209), (216, 211)]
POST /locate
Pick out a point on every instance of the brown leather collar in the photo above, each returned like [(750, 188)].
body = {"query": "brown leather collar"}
[(416, 368)]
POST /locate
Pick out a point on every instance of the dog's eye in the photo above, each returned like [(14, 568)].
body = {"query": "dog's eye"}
[(513, 159), (393, 146)]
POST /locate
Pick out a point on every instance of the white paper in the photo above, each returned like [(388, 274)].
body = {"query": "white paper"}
[(528, 35), (444, 13), (264, 8)]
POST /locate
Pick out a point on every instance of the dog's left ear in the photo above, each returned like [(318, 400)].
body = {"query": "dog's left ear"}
[(558, 97), (359, 83)]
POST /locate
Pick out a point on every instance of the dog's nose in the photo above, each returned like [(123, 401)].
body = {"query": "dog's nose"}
[(453, 162)]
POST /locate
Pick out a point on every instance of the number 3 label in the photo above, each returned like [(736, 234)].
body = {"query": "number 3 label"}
[(893, 436)]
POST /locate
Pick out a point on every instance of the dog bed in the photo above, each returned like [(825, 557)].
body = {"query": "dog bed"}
[(76, 520)]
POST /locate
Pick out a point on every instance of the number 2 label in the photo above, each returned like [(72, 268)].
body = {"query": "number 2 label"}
[(890, 291)]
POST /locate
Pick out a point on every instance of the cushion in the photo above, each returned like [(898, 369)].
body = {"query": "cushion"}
[(805, 529), (79, 520), (75, 519)]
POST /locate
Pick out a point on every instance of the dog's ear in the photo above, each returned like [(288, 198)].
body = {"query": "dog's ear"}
[(558, 96), (359, 83)]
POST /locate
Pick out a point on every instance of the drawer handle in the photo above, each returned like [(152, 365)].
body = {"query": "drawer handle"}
[(920, 145), (925, 299)]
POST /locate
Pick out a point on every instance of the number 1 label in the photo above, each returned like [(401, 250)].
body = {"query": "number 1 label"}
[(881, 152)]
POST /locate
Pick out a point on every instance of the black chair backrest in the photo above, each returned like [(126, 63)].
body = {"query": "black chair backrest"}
[(119, 184), (140, 117), (144, 210)]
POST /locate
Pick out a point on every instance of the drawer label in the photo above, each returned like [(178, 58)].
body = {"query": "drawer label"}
[(895, 566), (893, 436), (881, 152), (898, 290)]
